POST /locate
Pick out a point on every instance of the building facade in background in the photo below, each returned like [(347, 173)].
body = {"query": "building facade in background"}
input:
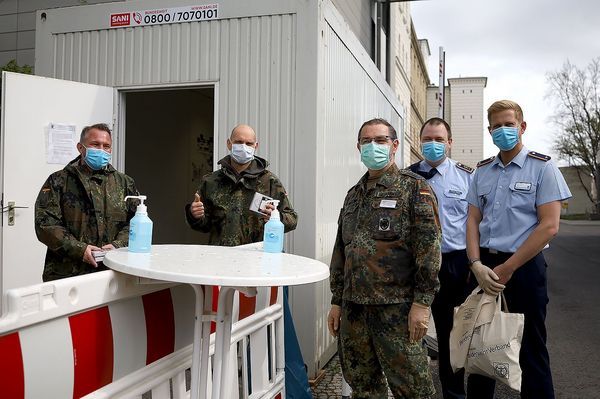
[(419, 79), (464, 111), (580, 203), (400, 65)]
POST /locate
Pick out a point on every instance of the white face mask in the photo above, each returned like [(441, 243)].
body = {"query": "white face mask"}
[(241, 153)]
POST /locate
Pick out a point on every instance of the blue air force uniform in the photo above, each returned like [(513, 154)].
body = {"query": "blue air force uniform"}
[(508, 197), (450, 181)]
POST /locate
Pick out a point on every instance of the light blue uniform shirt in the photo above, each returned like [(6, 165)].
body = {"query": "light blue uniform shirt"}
[(508, 197), (451, 186)]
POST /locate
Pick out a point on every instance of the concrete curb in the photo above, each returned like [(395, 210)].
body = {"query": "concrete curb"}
[(581, 222)]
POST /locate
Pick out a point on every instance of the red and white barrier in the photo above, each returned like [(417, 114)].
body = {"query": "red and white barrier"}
[(105, 335)]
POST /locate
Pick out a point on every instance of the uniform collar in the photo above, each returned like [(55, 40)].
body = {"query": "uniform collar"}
[(441, 168), (386, 180), (519, 160), (255, 169)]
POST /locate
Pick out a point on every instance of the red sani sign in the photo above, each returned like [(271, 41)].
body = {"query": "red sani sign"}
[(119, 19)]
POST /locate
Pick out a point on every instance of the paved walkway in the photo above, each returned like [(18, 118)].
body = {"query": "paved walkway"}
[(330, 386)]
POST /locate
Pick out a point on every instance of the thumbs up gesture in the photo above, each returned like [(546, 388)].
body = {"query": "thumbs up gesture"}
[(197, 207)]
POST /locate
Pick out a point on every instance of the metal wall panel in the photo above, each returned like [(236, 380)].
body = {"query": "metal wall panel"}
[(252, 59), (357, 14), (353, 91), (350, 98)]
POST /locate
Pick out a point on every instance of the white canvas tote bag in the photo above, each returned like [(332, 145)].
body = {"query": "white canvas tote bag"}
[(496, 343)]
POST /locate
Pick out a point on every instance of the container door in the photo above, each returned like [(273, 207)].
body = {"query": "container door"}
[(41, 122)]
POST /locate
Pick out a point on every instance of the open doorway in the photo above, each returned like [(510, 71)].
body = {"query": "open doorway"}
[(169, 136)]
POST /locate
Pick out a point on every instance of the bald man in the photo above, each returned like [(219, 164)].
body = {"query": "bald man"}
[(221, 205)]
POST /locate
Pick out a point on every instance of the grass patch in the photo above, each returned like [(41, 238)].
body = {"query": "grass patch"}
[(576, 216)]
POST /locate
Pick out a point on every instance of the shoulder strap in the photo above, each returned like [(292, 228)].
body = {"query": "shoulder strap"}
[(485, 161), (465, 168), (537, 155)]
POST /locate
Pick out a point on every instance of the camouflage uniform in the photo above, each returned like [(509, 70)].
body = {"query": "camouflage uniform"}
[(386, 256), (227, 196), (77, 207)]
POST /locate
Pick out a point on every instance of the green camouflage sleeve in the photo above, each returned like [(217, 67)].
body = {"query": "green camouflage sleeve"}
[(202, 224), (288, 215), (49, 227), (336, 267), (426, 243), (122, 238)]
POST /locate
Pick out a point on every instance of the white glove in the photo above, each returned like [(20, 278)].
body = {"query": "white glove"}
[(418, 321), (486, 278)]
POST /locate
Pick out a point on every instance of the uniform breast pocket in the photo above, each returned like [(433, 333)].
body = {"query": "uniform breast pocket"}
[(522, 195), (386, 220), (117, 212), (455, 201), (483, 193), (349, 216)]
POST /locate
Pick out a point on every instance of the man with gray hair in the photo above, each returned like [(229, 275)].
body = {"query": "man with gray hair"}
[(81, 209)]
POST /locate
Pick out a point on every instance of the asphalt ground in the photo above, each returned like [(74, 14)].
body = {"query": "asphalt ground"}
[(573, 321)]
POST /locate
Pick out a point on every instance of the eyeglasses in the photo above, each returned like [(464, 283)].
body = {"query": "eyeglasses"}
[(378, 140)]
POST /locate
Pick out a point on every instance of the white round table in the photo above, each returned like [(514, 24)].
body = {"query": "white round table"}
[(203, 266)]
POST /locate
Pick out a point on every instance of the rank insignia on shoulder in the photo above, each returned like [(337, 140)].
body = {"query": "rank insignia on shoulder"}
[(465, 168), (486, 161), (539, 156)]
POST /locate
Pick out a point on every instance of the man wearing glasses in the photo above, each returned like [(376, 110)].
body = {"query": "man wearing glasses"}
[(384, 273)]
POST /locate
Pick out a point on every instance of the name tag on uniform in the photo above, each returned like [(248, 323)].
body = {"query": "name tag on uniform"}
[(387, 204), (522, 186)]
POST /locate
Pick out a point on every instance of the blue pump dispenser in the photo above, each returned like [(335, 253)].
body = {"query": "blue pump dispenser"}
[(140, 228), (274, 230)]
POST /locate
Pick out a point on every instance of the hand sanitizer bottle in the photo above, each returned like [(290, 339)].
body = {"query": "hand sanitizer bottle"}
[(273, 237), (140, 227)]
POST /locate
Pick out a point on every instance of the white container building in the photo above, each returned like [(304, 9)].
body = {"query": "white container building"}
[(292, 69)]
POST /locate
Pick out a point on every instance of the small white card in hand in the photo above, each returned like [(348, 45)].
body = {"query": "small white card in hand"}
[(259, 202), (98, 255)]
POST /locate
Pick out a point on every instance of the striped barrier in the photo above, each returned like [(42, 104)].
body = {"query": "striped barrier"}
[(88, 334)]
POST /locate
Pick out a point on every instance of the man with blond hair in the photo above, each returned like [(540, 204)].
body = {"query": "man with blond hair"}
[(514, 210)]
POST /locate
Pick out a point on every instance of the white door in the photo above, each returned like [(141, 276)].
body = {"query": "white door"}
[(30, 104)]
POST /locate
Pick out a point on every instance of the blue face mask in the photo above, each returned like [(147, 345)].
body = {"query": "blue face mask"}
[(375, 156), (242, 153), (96, 158), (433, 151), (505, 138)]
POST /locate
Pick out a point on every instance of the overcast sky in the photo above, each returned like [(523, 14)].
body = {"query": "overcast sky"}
[(514, 43)]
